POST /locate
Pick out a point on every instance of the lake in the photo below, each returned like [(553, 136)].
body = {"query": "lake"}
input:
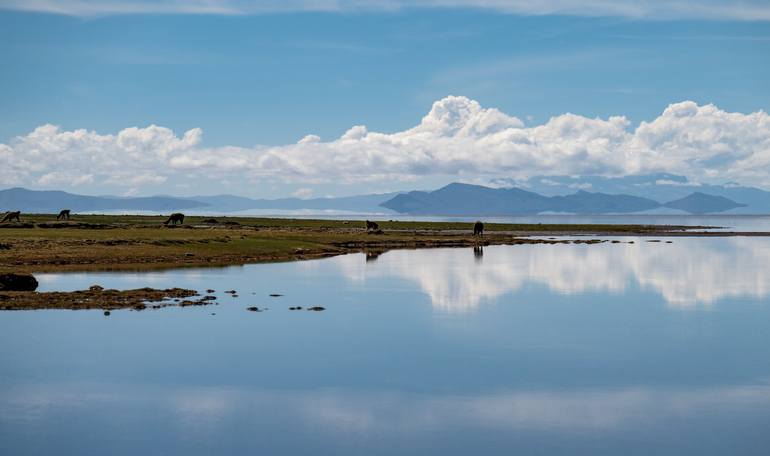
[(643, 348)]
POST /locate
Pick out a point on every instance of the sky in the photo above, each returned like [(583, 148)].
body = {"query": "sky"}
[(335, 97)]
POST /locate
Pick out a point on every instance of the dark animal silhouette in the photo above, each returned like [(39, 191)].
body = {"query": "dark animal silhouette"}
[(478, 229), (372, 226), (63, 215), (174, 218), (10, 216)]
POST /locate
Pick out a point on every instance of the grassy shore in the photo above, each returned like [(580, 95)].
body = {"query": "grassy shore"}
[(131, 242)]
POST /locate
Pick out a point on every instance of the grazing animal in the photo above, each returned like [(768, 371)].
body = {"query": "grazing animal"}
[(478, 229), (372, 226), (63, 215), (174, 218), (10, 216)]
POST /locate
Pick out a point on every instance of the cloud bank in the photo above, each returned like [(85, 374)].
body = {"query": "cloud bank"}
[(458, 139), (747, 10)]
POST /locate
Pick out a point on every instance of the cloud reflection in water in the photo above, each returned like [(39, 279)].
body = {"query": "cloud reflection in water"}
[(687, 272)]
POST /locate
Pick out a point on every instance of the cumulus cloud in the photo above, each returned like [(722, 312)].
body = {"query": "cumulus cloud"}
[(458, 139), (753, 10)]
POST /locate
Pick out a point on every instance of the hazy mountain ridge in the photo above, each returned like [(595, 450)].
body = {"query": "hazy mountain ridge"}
[(654, 193), (661, 187), (466, 199), (51, 201)]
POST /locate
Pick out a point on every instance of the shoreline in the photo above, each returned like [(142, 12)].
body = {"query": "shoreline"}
[(136, 243), (104, 243)]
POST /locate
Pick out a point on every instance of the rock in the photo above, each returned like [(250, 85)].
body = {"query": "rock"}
[(295, 308), (106, 313), (210, 291), (231, 291), (275, 295), (96, 288), (18, 281), (189, 254), (235, 295), (316, 308), (254, 309)]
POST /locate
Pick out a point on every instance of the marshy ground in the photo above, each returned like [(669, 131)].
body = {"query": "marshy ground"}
[(117, 242)]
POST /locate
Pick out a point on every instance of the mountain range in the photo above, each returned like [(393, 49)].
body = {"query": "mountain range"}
[(654, 193), (465, 199)]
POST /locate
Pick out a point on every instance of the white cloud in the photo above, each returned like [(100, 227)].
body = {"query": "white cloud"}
[(749, 10), (458, 138)]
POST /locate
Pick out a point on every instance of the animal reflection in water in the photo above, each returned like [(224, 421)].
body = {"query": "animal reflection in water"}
[(372, 255), (63, 215), (174, 218), (10, 216), (478, 253)]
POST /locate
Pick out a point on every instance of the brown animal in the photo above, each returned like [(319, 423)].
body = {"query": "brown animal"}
[(478, 228), (10, 216), (372, 226), (174, 218), (63, 215)]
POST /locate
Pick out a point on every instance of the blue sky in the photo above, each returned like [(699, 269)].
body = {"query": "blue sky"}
[(270, 79)]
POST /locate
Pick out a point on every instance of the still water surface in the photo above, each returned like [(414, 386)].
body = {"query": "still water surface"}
[(644, 348)]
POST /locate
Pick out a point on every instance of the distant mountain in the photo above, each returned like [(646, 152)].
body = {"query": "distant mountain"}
[(701, 203), (451, 200), (465, 199), (53, 201), (659, 187), (360, 203), (584, 202)]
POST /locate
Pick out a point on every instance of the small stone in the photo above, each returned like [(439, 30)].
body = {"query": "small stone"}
[(96, 288), (106, 313), (316, 308), (253, 309), (211, 291), (275, 295)]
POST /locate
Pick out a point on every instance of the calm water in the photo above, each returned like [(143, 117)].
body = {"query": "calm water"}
[(644, 348)]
